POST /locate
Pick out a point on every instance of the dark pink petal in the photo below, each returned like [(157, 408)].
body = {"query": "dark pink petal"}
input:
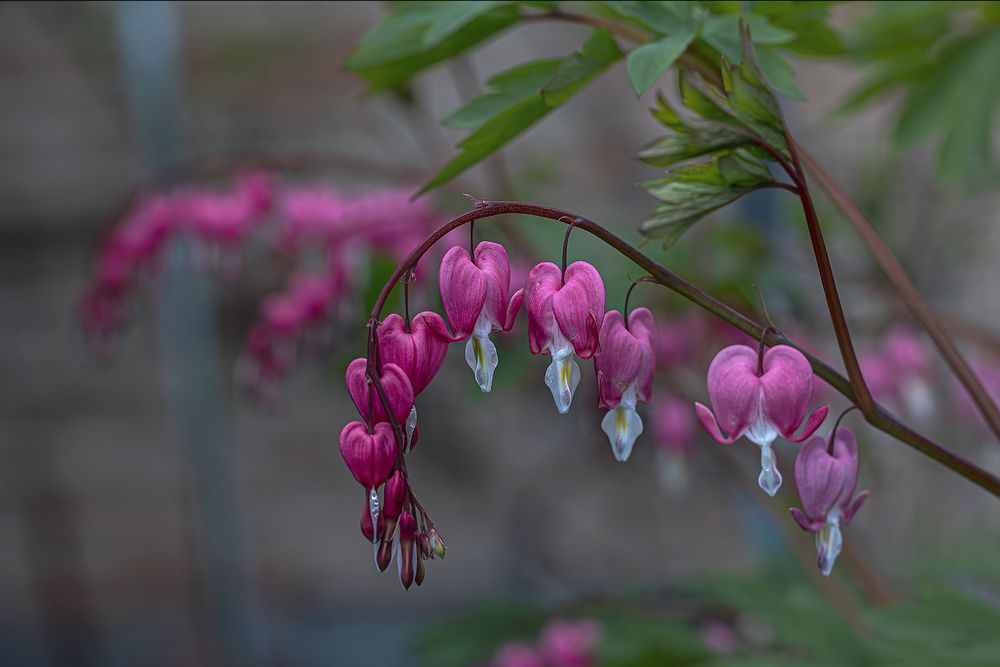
[(419, 353), (815, 420), (492, 260), (395, 383), (643, 327), (804, 522), (578, 307), (620, 361), (787, 386), (845, 450), (543, 282), (394, 495), (463, 291), (369, 456), (851, 509), (819, 478), (512, 307), (707, 420), (734, 389)]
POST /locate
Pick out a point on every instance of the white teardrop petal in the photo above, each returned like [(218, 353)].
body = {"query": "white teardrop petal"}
[(562, 377), (769, 478), (622, 425), (481, 355)]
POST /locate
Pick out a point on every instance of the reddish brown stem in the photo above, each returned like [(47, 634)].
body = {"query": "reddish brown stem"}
[(879, 418)]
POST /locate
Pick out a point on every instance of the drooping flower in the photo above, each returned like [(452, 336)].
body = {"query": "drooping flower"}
[(826, 482), (625, 370), (369, 456), (407, 553), (760, 397), (474, 292), (674, 431), (564, 316), (419, 352), (395, 384)]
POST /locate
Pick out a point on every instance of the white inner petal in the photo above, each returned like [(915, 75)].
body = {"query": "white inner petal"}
[(481, 353), (622, 425), (411, 425), (373, 510), (760, 431), (769, 478), (828, 543), (563, 374)]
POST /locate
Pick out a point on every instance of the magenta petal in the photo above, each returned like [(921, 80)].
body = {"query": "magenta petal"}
[(369, 456), (854, 506), (395, 383), (815, 420), (619, 364), (819, 478), (512, 308), (734, 388), (463, 291), (578, 307), (787, 385), (643, 326), (845, 450), (419, 353), (803, 520), (543, 282), (707, 420), (492, 260)]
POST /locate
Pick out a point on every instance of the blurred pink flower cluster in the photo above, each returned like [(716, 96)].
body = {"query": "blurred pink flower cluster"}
[(899, 371), (295, 220), (562, 643)]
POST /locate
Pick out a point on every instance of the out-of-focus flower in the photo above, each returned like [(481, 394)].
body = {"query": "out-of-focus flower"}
[(565, 643), (675, 430), (899, 370)]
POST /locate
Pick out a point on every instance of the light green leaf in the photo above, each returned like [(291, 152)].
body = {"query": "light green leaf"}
[(647, 63), (663, 18), (507, 89), (779, 72), (582, 67)]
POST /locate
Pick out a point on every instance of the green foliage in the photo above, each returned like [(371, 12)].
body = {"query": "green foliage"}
[(722, 128), (521, 97), (943, 57)]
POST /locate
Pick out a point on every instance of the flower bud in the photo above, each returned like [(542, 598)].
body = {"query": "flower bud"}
[(384, 556), (436, 543), (407, 526), (425, 547), (393, 495), (419, 577)]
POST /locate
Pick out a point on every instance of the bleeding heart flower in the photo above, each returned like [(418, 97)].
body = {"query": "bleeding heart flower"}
[(826, 482), (474, 293), (369, 456), (397, 389), (760, 398), (674, 430), (625, 370), (420, 352), (564, 317), (394, 495)]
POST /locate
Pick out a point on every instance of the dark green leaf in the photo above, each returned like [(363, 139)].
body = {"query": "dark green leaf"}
[(647, 63), (723, 33), (508, 88), (453, 15), (662, 18), (779, 72)]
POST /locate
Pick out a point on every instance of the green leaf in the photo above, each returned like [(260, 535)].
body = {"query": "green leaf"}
[(393, 51), (780, 73), (647, 63), (723, 34), (813, 37), (582, 67), (450, 16), (508, 88), (691, 192), (662, 18), (521, 97)]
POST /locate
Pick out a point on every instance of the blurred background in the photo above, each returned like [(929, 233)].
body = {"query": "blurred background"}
[(153, 511)]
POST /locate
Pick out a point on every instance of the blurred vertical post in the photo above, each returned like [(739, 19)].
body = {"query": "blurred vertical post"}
[(150, 50)]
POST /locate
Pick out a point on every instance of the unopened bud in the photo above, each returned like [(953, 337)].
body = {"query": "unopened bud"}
[(394, 495), (437, 544), (384, 556), (407, 527), (419, 578), (425, 547)]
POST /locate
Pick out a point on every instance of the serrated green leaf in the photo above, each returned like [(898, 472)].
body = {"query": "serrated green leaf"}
[(582, 67), (690, 192), (507, 89), (647, 63), (392, 52), (500, 125)]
